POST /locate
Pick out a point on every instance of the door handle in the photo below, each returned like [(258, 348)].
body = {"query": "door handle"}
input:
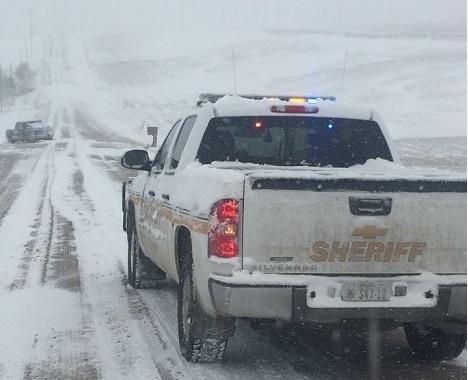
[(151, 193), (370, 206), (165, 196)]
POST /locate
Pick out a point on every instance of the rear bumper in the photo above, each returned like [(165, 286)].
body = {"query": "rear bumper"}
[(288, 297)]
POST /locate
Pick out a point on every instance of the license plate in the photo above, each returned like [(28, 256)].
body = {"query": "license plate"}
[(366, 291)]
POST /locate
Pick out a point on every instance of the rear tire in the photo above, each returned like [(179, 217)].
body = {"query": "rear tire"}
[(434, 343), (202, 338)]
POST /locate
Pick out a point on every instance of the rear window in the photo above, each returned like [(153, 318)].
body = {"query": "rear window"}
[(293, 141)]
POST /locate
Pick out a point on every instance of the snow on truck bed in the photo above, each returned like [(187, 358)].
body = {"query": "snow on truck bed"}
[(206, 184), (373, 169)]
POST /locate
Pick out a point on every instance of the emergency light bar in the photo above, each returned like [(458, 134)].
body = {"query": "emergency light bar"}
[(213, 98)]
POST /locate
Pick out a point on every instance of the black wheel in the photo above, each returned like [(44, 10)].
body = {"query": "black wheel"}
[(202, 338), (142, 272), (434, 343), (134, 251), (124, 207), (124, 221)]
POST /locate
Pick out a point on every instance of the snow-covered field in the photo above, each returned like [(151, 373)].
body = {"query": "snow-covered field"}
[(399, 77), (65, 311)]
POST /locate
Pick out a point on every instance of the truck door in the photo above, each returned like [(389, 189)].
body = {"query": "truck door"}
[(150, 234), (168, 210)]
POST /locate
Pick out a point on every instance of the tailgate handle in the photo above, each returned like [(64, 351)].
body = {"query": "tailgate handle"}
[(370, 206)]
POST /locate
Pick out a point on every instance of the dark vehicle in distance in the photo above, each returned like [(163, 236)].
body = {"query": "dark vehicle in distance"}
[(29, 132)]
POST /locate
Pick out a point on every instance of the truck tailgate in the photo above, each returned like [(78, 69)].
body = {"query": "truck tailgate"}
[(354, 225)]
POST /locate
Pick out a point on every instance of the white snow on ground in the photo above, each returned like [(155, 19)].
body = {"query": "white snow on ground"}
[(105, 71)]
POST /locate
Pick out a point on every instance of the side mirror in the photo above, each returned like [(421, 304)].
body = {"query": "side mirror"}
[(136, 159)]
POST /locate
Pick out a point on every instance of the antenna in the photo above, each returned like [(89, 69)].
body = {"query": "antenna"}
[(343, 73), (234, 76)]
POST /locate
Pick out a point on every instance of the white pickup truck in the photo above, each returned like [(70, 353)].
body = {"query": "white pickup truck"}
[(296, 209)]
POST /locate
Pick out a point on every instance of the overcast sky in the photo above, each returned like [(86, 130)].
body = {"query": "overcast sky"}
[(128, 16)]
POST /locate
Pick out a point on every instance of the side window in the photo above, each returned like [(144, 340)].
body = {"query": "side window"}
[(181, 141), (160, 158)]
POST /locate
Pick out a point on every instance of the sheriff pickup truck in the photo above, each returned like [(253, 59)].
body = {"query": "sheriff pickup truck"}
[(296, 209)]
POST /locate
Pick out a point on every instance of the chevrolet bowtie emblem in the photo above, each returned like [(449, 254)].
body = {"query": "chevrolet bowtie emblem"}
[(369, 232)]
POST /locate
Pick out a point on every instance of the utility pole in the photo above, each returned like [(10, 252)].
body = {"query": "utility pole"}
[(26, 50), (31, 33), (1, 91)]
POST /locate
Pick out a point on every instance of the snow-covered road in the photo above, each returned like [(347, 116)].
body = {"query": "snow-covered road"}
[(65, 309)]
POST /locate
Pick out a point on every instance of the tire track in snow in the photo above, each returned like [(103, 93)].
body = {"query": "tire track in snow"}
[(164, 354), (27, 207), (69, 350), (33, 246), (111, 337), (38, 248), (48, 257), (117, 339), (15, 165)]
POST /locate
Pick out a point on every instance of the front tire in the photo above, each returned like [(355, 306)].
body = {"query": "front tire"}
[(202, 338), (141, 272), (434, 343), (134, 252)]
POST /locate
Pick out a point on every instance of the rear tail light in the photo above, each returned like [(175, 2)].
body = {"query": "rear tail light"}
[(295, 109), (224, 227)]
